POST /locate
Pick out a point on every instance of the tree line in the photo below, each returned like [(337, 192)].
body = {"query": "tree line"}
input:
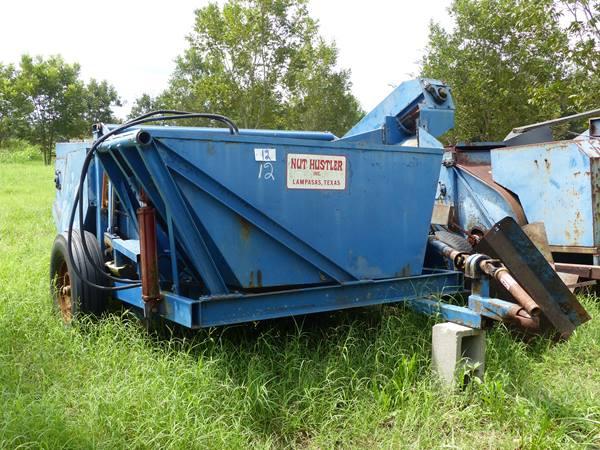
[(516, 62), (44, 100), (265, 64)]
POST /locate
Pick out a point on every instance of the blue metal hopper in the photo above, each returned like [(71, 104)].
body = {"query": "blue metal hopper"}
[(261, 212)]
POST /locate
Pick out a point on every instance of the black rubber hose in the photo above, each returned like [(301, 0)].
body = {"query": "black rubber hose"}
[(78, 200), (74, 264), (143, 119), (233, 128)]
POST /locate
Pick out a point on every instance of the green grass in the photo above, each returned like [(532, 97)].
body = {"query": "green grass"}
[(19, 151), (352, 379)]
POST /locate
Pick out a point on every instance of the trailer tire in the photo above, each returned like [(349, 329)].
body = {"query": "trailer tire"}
[(72, 297), (454, 240)]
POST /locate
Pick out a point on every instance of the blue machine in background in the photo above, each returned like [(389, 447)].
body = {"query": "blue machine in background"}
[(535, 180), (210, 226)]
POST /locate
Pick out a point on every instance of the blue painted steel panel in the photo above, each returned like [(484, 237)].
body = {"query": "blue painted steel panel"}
[(269, 223), (451, 313), (554, 183), (237, 308), (268, 234), (476, 205), (436, 117), (69, 161), (426, 139), (128, 247)]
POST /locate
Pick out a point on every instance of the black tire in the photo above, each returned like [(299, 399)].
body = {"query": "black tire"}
[(72, 296), (456, 241)]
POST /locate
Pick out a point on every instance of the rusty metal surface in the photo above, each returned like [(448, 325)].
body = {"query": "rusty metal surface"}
[(507, 242), (63, 293), (483, 173), (583, 284), (554, 184), (457, 257), (595, 188), (104, 196), (574, 249), (508, 312), (517, 291), (148, 254), (442, 214), (582, 270), (570, 280), (475, 264), (537, 233)]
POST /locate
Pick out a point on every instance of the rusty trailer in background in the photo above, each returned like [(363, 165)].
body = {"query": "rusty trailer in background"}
[(550, 188)]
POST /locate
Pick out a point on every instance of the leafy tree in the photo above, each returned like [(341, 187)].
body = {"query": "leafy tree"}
[(321, 99), (509, 63), (100, 97), (584, 32), (142, 105), (51, 102), (263, 63), (13, 105), (585, 24), (56, 96)]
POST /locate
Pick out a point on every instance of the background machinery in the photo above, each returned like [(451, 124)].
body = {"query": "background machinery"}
[(550, 188)]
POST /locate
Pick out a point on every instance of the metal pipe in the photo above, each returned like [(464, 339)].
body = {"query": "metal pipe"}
[(510, 284), (519, 316), (127, 139), (197, 131), (558, 121), (502, 310), (492, 268), (449, 252)]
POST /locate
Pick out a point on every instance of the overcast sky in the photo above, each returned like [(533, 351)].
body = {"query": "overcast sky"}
[(132, 43)]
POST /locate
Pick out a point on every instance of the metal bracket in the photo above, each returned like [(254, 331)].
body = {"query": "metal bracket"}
[(507, 242)]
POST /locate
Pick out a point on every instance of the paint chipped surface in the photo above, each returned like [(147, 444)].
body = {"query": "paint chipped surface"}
[(555, 185)]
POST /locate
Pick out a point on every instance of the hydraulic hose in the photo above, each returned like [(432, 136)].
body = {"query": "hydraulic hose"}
[(152, 116)]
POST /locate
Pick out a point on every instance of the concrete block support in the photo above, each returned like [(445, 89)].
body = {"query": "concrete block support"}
[(456, 349)]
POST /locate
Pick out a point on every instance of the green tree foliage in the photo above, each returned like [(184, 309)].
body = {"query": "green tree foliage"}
[(56, 100), (509, 62), (263, 63), (99, 99), (584, 33), (45, 101), (143, 104), (13, 104)]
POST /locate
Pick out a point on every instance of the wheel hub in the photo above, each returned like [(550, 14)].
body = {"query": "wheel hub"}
[(63, 288)]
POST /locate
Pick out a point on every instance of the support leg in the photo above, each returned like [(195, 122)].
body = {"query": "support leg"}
[(457, 348)]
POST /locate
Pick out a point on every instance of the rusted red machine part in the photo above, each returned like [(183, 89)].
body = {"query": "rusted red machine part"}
[(518, 316), (583, 270), (518, 293), (527, 312), (507, 241), (104, 202), (148, 252), (457, 257)]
